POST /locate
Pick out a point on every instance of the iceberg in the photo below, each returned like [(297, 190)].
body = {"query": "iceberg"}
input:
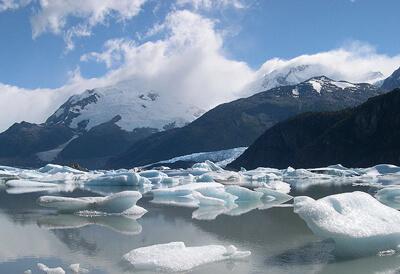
[(270, 195), (357, 222), (76, 268), (53, 169), (243, 193), (118, 179), (175, 256), (29, 184), (48, 270), (116, 203), (154, 176)]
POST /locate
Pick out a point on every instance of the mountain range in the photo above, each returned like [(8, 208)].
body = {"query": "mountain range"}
[(239, 123), (119, 126), (363, 136)]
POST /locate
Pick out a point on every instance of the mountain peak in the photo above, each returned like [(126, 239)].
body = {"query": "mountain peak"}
[(135, 109), (392, 82)]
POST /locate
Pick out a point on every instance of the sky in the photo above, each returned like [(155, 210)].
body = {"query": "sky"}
[(208, 49)]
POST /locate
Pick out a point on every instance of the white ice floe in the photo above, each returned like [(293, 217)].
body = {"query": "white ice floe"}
[(53, 169), (243, 193), (271, 195), (76, 268), (117, 203), (357, 222), (48, 270), (28, 183), (175, 256), (154, 176), (118, 178)]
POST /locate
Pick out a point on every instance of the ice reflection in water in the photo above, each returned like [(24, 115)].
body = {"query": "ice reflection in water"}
[(279, 240)]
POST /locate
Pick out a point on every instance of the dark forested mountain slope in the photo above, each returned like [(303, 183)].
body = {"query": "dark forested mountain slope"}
[(359, 137)]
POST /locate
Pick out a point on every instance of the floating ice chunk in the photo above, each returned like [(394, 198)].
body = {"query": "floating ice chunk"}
[(170, 181), (243, 193), (53, 169), (335, 172), (185, 189), (116, 203), (154, 176), (291, 173), (389, 196), (27, 183), (119, 179), (219, 193), (262, 174), (205, 178), (358, 223), (207, 165), (273, 195), (207, 201), (76, 268), (48, 270), (379, 170), (278, 186), (179, 201), (188, 195), (28, 271), (176, 256)]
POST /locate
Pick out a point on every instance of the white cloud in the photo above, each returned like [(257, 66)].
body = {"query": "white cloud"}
[(13, 4), (52, 16), (211, 4), (353, 62), (189, 62)]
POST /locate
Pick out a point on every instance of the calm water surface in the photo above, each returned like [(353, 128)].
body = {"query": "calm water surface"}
[(279, 240)]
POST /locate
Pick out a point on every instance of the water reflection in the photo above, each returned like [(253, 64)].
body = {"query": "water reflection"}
[(279, 240)]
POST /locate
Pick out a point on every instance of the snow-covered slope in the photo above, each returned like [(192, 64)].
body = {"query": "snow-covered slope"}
[(294, 74), (138, 109)]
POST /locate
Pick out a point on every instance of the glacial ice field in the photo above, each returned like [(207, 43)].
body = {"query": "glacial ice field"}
[(203, 219)]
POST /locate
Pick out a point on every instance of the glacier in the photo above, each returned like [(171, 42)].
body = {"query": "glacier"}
[(176, 257)]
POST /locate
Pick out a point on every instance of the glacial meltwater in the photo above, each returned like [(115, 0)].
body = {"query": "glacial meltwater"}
[(278, 239)]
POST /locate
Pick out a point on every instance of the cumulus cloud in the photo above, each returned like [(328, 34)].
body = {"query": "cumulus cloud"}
[(188, 62), (356, 62), (52, 16)]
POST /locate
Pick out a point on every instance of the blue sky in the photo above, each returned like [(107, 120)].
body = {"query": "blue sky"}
[(204, 51), (259, 31)]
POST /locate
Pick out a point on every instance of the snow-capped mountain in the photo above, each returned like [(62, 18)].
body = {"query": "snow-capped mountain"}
[(136, 109), (292, 75), (392, 82), (322, 84), (240, 122)]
